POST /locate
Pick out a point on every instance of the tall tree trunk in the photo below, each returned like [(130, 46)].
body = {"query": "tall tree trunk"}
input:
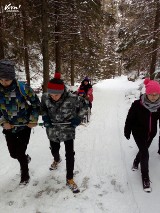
[(155, 38), (72, 65), (25, 45), (45, 45), (57, 38), (1, 35)]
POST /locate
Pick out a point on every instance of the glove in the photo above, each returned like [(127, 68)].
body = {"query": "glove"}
[(75, 122), (87, 98), (47, 125)]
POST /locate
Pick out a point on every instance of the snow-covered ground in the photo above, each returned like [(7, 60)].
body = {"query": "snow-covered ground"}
[(102, 164)]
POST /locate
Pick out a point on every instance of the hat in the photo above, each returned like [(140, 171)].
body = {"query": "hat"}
[(86, 79), (81, 92), (7, 70), (56, 85), (151, 86)]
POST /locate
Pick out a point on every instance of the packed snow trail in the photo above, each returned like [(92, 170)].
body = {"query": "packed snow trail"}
[(102, 165)]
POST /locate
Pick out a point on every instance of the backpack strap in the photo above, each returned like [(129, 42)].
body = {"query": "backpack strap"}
[(21, 86)]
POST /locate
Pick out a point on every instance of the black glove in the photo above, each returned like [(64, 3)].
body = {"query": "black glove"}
[(47, 125), (75, 122)]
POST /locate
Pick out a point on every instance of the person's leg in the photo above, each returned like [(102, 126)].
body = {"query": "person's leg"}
[(69, 148), (23, 137), (137, 158), (55, 147), (11, 139), (143, 156), (17, 145)]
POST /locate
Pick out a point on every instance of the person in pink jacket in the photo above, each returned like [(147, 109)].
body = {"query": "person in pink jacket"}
[(87, 89)]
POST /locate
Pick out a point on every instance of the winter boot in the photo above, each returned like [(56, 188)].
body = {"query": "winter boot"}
[(24, 179), (72, 185), (146, 184), (54, 165), (135, 165)]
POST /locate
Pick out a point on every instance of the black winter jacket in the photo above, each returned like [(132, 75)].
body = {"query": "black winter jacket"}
[(141, 122)]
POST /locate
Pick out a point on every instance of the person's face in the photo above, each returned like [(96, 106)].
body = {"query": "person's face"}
[(80, 94), (153, 97), (5, 82), (55, 97), (85, 82)]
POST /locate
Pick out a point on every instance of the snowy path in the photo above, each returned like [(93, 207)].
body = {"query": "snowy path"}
[(102, 163)]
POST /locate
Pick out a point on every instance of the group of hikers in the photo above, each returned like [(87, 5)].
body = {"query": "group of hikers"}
[(61, 112)]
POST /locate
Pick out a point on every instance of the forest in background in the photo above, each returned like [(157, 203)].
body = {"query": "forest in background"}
[(96, 38)]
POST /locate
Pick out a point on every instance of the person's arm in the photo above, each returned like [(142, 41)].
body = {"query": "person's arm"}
[(45, 117), (81, 110), (34, 106), (4, 123), (90, 94), (82, 106), (129, 121)]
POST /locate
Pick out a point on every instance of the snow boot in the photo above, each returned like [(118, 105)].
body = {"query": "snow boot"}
[(135, 165), (146, 184), (24, 179), (72, 185), (54, 165)]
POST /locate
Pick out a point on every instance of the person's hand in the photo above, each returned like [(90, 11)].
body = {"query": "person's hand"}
[(7, 126), (87, 98), (75, 122), (31, 125)]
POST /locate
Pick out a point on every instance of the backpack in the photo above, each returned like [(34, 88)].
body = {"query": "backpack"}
[(21, 86)]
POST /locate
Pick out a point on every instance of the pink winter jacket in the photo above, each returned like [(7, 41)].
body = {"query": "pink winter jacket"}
[(89, 94)]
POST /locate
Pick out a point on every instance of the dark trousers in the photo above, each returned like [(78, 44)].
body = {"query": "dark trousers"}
[(142, 156), (17, 145), (69, 153)]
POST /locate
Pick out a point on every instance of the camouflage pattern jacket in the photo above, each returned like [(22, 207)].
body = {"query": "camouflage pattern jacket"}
[(67, 107)]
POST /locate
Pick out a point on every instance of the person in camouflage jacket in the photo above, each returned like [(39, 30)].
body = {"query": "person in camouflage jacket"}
[(18, 114), (62, 111)]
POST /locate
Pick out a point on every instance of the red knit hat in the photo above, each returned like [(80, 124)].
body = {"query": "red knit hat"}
[(56, 85), (81, 91), (151, 86)]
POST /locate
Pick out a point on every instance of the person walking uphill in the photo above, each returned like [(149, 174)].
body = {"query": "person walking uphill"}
[(142, 121), (18, 114), (62, 112)]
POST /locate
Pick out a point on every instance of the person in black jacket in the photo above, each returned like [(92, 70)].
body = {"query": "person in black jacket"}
[(142, 122)]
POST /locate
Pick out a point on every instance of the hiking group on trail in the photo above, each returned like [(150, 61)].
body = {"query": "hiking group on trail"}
[(20, 108), (62, 112)]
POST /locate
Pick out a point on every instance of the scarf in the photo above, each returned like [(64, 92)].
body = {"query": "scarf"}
[(151, 106)]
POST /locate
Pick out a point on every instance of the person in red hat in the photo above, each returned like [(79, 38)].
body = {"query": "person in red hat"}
[(142, 121), (62, 112)]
